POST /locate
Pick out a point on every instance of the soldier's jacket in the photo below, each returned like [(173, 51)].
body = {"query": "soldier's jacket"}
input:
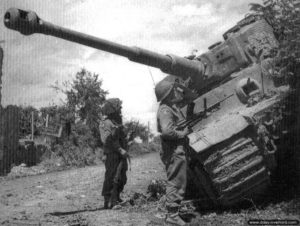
[(167, 117), (173, 155), (112, 136)]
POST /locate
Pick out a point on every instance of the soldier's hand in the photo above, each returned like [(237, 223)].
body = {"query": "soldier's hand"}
[(124, 153), (186, 131)]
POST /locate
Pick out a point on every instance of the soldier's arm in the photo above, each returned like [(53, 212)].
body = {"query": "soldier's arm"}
[(105, 132), (109, 137), (168, 126)]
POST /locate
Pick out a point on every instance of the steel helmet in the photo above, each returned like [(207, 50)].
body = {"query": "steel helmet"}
[(163, 89), (111, 106)]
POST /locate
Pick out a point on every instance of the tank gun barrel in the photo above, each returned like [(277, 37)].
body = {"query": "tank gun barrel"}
[(28, 22)]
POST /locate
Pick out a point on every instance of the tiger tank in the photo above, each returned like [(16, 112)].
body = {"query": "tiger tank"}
[(235, 104)]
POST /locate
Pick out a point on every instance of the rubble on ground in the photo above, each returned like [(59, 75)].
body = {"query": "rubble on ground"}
[(22, 170)]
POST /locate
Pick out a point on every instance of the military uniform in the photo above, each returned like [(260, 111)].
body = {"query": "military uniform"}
[(113, 138), (173, 155)]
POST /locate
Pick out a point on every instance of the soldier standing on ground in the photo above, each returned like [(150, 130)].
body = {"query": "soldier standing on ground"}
[(115, 154), (173, 146)]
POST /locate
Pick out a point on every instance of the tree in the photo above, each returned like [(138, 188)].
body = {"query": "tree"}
[(134, 129), (84, 96), (284, 17)]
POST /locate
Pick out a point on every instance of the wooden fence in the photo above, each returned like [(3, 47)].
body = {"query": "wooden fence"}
[(9, 138)]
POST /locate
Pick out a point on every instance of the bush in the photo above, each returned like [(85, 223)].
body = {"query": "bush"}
[(283, 16), (137, 149), (134, 129), (79, 149)]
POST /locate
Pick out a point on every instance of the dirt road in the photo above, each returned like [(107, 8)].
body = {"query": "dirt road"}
[(45, 198), (73, 198)]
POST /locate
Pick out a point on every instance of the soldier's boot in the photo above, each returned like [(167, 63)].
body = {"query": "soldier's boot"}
[(107, 202), (119, 198), (187, 210), (175, 219), (114, 195)]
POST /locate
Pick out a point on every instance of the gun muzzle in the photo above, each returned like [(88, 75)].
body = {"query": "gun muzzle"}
[(26, 22)]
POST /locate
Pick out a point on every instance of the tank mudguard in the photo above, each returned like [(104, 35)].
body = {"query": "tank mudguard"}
[(217, 132)]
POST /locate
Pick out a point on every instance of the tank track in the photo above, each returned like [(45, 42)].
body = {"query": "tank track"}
[(242, 167), (232, 169)]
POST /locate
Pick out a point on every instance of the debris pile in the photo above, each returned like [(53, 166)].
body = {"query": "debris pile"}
[(153, 197), (156, 189), (22, 170)]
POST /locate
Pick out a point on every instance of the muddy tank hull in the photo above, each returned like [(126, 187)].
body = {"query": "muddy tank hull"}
[(235, 157)]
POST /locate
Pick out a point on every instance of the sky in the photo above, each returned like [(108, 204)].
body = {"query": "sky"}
[(33, 63)]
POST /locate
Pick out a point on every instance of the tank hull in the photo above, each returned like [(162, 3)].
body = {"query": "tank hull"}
[(235, 154)]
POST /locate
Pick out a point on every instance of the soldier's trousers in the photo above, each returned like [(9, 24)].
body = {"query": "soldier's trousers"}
[(115, 174), (175, 162)]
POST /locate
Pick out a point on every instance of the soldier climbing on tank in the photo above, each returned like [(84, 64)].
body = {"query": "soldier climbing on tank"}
[(173, 153), (115, 154)]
